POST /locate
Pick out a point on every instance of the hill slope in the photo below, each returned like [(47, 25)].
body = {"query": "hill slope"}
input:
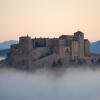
[(95, 47)]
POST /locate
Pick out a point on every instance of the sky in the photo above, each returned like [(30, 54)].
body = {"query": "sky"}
[(49, 18)]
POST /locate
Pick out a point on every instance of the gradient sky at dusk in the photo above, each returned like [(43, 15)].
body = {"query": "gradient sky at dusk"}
[(49, 18)]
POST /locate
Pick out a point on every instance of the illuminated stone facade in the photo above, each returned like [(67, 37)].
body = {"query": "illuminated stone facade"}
[(67, 48)]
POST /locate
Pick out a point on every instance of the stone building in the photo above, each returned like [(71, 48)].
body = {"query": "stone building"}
[(42, 50)]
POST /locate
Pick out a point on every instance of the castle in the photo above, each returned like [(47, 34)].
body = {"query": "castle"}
[(45, 51)]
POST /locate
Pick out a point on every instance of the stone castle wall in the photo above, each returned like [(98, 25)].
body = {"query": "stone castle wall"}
[(86, 47), (45, 50)]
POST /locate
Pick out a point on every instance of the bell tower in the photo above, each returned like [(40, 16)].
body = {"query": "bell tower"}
[(79, 36)]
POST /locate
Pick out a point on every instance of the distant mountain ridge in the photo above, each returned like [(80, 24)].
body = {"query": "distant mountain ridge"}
[(7, 44), (95, 47)]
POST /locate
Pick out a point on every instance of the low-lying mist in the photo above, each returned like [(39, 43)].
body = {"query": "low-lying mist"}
[(51, 84)]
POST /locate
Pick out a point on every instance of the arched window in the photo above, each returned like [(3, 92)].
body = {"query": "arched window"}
[(67, 50)]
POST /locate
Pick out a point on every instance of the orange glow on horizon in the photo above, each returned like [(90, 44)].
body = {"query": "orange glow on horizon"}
[(49, 18)]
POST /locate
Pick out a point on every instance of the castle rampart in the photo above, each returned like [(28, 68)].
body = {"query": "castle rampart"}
[(67, 48)]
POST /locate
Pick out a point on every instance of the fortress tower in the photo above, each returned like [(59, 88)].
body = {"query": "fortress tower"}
[(25, 43), (79, 37), (86, 47)]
